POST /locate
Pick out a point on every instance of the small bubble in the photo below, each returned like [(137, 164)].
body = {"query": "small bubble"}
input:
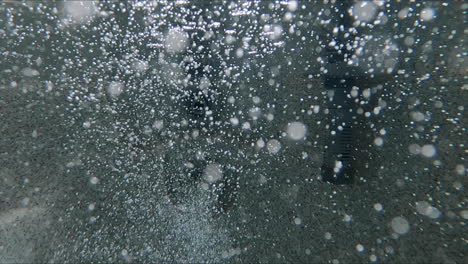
[(213, 173), (438, 104), (260, 143), (378, 141), (273, 146), (176, 40), (239, 53), (464, 214), (360, 248), (115, 89), (428, 151), (316, 109), (297, 221), (94, 180), (424, 208), (234, 121), (417, 116), (338, 166), (400, 225), (427, 14), (87, 124), (270, 117), (205, 186), (460, 169), (255, 113), (296, 130), (158, 124), (347, 218), (378, 207), (364, 11), (256, 99), (292, 6)]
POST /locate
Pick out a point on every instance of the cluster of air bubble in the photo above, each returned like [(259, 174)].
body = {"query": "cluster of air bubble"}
[(163, 102), (171, 107)]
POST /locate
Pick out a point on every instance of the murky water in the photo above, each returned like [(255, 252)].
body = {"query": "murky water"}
[(251, 131)]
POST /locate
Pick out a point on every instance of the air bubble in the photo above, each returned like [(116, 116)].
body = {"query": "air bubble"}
[(273, 146), (296, 130), (400, 225), (428, 151)]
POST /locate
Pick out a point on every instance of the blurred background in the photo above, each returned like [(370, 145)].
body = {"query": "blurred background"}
[(195, 131)]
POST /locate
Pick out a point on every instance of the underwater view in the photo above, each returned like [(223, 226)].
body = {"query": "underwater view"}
[(250, 131)]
